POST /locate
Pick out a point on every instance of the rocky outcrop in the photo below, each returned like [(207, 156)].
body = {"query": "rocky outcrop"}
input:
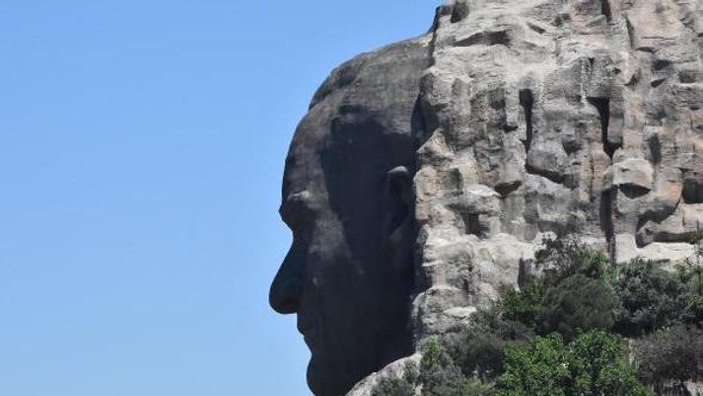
[(395, 371), (548, 117)]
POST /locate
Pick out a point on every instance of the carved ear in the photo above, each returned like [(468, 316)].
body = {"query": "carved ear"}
[(400, 218), (399, 199)]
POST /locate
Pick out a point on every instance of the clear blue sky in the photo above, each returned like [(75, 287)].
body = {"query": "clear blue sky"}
[(141, 152)]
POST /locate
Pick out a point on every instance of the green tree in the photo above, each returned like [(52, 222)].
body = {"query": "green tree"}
[(670, 355), (524, 305), (562, 260), (693, 266), (398, 386), (598, 365), (539, 370), (479, 353), (493, 320), (479, 349), (693, 312), (650, 298), (566, 256), (476, 387), (577, 303), (439, 375), (594, 364), (393, 387), (691, 275)]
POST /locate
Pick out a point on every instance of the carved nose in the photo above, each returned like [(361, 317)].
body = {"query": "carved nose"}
[(287, 286), (284, 296)]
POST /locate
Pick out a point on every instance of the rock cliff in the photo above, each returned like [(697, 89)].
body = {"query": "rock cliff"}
[(550, 117)]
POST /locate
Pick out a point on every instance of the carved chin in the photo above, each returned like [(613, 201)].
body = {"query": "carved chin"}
[(325, 379), (313, 377), (320, 379)]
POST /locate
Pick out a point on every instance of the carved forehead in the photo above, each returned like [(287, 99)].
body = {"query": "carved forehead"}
[(369, 100)]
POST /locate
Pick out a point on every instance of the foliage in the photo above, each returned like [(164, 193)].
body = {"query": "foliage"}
[(599, 366), (692, 268), (479, 352), (594, 364), (493, 320), (398, 386), (563, 257), (693, 311), (438, 373), (524, 305), (578, 303), (691, 275), (562, 300), (650, 298), (670, 355), (476, 387), (541, 369), (578, 298), (393, 387)]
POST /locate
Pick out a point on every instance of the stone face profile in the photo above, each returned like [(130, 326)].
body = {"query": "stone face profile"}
[(348, 199), (426, 173)]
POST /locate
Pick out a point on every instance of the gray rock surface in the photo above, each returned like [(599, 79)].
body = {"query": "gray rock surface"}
[(571, 116), (394, 371), (515, 120)]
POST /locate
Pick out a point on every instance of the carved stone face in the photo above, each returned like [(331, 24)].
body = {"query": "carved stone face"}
[(347, 197)]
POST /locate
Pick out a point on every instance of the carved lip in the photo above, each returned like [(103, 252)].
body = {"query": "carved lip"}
[(307, 329)]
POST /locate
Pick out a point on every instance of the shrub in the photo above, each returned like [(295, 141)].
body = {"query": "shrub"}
[(693, 311), (650, 298), (493, 320), (594, 364), (599, 366), (576, 304), (393, 387), (565, 256), (479, 353), (566, 263), (691, 275), (524, 305), (479, 350), (691, 269), (476, 387), (540, 370), (398, 386), (439, 375), (670, 355)]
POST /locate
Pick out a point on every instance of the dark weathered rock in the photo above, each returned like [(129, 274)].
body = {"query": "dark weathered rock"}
[(348, 198), (516, 120)]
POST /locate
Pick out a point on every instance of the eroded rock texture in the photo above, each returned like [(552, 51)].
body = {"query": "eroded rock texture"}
[(548, 117)]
